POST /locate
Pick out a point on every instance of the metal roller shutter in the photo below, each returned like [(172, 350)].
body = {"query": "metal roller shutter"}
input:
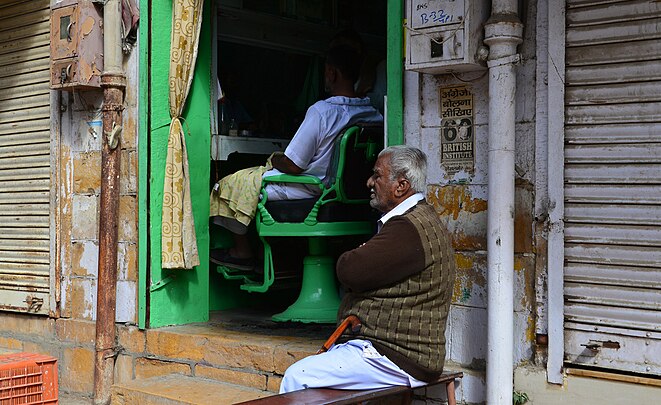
[(613, 185), (24, 156)]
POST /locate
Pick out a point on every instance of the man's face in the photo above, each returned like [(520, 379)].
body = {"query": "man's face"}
[(382, 189)]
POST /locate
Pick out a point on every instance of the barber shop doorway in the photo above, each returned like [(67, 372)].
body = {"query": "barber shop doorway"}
[(268, 63), (266, 58)]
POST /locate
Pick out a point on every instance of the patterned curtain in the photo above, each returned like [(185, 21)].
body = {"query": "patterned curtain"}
[(178, 242)]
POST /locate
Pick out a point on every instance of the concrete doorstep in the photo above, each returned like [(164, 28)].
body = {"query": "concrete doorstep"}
[(177, 389)]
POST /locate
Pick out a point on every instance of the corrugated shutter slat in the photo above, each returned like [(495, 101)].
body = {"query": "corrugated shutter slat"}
[(612, 217), (24, 156)]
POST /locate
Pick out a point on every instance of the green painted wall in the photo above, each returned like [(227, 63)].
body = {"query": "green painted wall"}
[(394, 72), (185, 298)]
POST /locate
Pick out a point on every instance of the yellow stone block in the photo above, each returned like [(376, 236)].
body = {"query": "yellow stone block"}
[(123, 369), (239, 355), (177, 389), (84, 258), (145, 368), (83, 300), (129, 133), (77, 370), (87, 173), (232, 376), (27, 324), (273, 383), (128, 180), (11, 345), (128, 261), (164, 343), (128, 219), (40, 348), (287, 355), (132, 339), (76, 330)]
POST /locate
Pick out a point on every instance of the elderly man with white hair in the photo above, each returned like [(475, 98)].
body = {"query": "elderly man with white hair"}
[(399, 284)]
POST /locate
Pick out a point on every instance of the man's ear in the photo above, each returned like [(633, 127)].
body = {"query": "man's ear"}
[(403, 187), (331, 73)]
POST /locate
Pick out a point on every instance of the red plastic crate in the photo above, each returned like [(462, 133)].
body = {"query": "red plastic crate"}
[(28, 378)]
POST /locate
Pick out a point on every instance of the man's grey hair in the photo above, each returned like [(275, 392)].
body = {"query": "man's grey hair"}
[(410, 163)]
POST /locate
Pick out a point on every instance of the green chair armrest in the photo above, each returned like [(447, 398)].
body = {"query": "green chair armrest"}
[(285, 178), (267, 219), (293, 178)]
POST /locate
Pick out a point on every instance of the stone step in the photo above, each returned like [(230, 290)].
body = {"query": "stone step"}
[(228, 355), (175, 389), (230, 347), (241, 350)]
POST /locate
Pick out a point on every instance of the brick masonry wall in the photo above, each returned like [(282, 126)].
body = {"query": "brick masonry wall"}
[(211, 353), (79, 190)]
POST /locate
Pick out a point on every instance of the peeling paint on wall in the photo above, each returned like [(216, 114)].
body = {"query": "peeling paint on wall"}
[(88, 71), (541, 319), (524, 306), (465, 215), (523, 218), (85, 256), (470, 281), (451, 200), (64, 226), (87, 26)]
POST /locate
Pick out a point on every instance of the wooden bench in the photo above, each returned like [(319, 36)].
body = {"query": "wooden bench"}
[(319, 396)]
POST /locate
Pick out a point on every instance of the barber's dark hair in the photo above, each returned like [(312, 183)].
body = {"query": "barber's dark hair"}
[(346, 59), (410, 163), (350, 37)]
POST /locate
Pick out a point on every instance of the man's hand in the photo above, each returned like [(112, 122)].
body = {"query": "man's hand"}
[(281, 162)]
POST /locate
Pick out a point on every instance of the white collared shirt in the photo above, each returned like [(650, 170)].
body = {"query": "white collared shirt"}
[(312, 147), (400, 209)]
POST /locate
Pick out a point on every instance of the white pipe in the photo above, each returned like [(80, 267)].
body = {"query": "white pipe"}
[(503, 32), (112, 37)]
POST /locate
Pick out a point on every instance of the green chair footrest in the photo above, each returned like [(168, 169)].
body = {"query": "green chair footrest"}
[(229, 273)]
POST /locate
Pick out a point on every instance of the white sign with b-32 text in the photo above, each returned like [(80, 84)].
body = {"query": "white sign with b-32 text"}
[(432, 13)]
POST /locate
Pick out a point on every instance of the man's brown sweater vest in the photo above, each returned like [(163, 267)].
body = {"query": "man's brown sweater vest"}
[(400, 286)]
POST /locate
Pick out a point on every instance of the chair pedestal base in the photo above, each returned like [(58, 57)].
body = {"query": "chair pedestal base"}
[(318, 300)]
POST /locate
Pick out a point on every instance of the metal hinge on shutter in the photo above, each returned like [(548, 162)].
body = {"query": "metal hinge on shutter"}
[(596, 345), (34, 303)]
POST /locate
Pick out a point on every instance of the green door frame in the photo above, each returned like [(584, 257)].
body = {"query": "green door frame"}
[(143, 162), (394, 73), (172, 297)]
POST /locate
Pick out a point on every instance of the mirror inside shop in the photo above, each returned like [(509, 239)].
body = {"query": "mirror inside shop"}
[(270, 60)]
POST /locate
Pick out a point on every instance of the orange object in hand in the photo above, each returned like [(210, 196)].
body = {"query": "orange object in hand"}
[(350, 321)]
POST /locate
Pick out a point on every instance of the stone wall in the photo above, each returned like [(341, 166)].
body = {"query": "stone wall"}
[(80, 143), (209, 352)]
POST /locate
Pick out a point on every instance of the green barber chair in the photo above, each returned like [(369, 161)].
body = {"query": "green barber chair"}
[(341, 210)]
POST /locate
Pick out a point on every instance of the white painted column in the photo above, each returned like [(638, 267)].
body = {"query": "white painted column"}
[(503, 32), (556, 185)]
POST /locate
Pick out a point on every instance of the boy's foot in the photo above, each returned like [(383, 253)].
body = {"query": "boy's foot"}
[(224, 258)]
